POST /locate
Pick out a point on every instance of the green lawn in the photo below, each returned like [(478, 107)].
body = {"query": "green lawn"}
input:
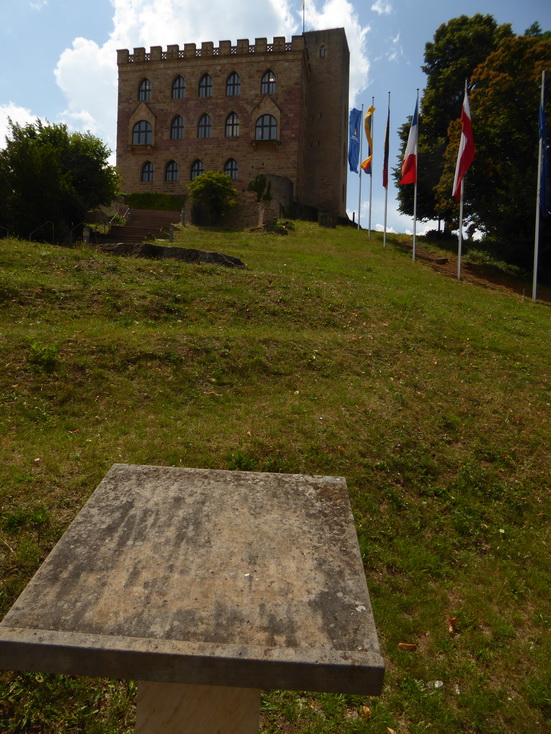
[(327, 355)]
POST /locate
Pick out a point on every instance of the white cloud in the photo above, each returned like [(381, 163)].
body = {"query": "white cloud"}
[(38, 4), (87, 75), (160, 22), (381, 228), (383, 7), (87, 72), (396, 50), (341, 14), (17, 114)]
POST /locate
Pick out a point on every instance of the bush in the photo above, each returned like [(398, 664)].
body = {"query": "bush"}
[(213, 193)]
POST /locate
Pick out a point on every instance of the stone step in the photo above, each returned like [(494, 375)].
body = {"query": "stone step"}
[(142, 224)]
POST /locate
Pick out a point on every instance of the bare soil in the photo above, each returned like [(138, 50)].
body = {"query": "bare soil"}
[(484, 276)]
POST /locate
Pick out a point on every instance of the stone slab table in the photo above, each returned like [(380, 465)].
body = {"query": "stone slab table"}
[(206, 586)]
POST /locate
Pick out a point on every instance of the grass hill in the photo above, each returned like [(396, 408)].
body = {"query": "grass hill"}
[(327, 355)]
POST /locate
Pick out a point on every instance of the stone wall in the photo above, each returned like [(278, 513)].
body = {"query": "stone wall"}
[(308, 150)]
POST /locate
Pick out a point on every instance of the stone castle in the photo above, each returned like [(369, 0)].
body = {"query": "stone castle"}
[(278, 109)]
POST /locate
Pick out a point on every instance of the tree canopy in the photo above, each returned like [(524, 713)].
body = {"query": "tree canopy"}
[(500, 194), (213, 193), (457, 48), (504, 73), (48, 174)]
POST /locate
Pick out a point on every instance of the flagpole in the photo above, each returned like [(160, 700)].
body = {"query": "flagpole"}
[(538, 197), (465, 157), (371, 170), (415, 184), (460, 237), (303, 5), (360, 177), (386, 164)]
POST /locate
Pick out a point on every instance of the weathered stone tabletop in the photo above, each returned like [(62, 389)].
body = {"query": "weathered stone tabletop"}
[(240, 580)]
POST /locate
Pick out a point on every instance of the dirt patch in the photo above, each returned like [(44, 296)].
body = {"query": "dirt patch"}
[(484, 276)]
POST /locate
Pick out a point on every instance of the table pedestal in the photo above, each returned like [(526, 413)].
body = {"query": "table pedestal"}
[(174, 708)]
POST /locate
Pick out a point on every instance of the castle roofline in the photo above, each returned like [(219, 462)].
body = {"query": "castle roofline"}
[(207, 48)]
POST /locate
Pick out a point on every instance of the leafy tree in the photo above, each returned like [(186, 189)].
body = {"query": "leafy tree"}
[(261, 187), (213, 192), (457, 48), (535, 30), (500, 194), (49, 174)]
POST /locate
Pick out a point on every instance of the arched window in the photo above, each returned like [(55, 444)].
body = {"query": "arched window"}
[(233, 84), (268, 85), (232, 125), (144, 90), (178, 88), (177, 128), (230, 168), (147, 172), (142, 133), (171, 171), (197, 168), (204, 127), (205, 86), (322, 52), (266, 128)]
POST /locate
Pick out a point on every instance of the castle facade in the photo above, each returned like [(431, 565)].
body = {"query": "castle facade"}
[(278, 109)]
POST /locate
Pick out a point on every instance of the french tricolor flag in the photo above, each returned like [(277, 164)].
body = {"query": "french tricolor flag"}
[(409, 165)]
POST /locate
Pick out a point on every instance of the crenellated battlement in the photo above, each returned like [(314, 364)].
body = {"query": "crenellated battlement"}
[(207, 48)]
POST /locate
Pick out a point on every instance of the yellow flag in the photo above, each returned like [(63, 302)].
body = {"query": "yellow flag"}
[(366, 165)]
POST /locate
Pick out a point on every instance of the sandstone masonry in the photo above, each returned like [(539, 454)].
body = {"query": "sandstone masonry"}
[(280, 109)]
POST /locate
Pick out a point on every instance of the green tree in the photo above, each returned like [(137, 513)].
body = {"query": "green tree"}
[(213, 194), (49, 174), (457, 48), (500, 192)]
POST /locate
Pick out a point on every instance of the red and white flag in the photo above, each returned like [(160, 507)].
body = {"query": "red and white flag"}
[(466, 148), (409, 165)]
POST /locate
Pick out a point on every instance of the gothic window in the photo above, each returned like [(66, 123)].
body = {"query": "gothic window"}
[(230, 168), (144, 90), (178, 88), (266, 128), (171, 171), (177, 128), (197, 168), (233, 84), (142, 133), (147, 172), (322, 52), (204, 127), (232, 125), (268, 85), (205, 86)]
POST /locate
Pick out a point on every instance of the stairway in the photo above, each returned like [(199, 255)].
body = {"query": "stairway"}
[(142, 224)]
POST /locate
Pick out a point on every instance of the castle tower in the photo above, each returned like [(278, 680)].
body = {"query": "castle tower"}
[(277, 108)]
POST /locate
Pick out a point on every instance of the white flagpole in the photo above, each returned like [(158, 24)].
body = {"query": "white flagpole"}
[(415, 184), (386, 210), (371, 170), (460, 236), (538, 200), (360, 175)]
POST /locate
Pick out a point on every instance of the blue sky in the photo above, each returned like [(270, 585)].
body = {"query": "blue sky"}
[(58, 57)]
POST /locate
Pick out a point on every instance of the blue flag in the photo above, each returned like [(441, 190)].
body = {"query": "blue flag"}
[(544, 201), (354, 144)]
